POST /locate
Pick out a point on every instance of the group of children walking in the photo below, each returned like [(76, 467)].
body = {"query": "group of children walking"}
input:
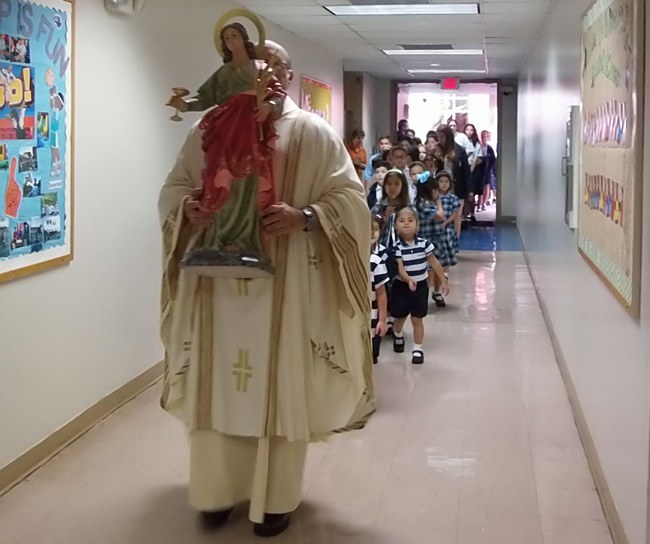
[(414, 243)]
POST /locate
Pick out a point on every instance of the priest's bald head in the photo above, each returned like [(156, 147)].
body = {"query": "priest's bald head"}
[(284, 73)]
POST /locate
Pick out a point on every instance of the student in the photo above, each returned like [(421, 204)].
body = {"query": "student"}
[(416, 169), (376, 190), (398, 158), (410, 291), (445, 234), (357, 152), (490, 171), (383, 144), (477, 167), (461, 138), (378, 282), (428, 206), (402, 129), (454, 160), (394, 197)]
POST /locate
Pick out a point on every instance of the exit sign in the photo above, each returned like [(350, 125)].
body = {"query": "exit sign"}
[(450, 84)]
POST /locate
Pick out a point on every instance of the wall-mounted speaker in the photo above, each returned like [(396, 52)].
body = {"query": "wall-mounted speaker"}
[(124, 7)]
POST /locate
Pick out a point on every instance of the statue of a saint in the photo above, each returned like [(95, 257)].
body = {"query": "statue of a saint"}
[(238, 137)]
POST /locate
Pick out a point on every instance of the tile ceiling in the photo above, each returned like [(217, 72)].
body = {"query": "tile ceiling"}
[(504, 29)]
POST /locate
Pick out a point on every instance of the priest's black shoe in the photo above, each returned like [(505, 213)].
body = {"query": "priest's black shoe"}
[(274, 524), (214, 520)]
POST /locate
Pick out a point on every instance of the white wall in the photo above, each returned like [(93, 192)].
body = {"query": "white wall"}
[(369, 105), (605, 349), (353, 102), (75, 334), (382, 113)]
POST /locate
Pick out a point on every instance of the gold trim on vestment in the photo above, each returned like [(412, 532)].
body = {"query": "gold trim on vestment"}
[(243, 287), (206, 355), (242, 371), (346, 248), (279, 281)]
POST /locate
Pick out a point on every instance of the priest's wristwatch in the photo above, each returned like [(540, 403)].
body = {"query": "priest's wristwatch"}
[(310, 219)]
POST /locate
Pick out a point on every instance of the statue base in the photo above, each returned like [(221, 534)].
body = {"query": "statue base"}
[(228, 264)]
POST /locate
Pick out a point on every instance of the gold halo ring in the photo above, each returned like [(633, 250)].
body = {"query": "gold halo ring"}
[(231, 14)]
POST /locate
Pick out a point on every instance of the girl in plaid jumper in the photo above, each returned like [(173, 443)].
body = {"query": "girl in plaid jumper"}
[(445, 235), (428, 205)]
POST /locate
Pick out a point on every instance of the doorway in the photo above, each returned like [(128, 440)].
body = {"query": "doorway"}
[(427, 105)]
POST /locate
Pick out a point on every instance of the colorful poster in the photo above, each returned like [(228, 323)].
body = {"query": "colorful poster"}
[(316, 97), (609, 231), (35, 135)]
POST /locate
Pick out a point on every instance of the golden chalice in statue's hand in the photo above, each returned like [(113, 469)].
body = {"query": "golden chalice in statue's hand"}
[(176, 101)]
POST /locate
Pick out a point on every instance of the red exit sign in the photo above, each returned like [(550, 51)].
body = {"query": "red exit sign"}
[(450, 84)]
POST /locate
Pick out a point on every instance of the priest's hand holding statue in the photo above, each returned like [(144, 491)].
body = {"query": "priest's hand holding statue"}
[(238, 139)]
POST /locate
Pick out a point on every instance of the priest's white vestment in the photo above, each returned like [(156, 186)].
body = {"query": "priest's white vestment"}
[(258, 368)]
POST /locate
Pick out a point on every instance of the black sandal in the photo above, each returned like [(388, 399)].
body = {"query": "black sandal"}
[(439, 300)]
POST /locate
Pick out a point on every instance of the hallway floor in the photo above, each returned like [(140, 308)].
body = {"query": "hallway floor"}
[(499, 237), (477, 446)]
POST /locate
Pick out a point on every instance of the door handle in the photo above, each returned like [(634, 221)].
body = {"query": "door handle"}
[(565, 169)]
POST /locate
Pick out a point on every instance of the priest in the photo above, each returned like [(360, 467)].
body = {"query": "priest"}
[(258, 368)]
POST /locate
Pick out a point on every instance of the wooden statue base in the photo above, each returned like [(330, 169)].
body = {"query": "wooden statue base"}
[(228, 264)]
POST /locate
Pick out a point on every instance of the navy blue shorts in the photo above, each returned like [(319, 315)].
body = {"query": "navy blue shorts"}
[(402, 302)]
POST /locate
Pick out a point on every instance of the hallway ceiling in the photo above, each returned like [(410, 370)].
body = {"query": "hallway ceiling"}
[(505, 30)]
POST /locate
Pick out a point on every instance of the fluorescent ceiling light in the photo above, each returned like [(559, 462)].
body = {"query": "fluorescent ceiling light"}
[(433, 51), (406, 9), (434, 71)]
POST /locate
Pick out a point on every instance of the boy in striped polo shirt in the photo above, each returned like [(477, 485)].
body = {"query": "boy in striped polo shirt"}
[(410, 292), (378, 281)]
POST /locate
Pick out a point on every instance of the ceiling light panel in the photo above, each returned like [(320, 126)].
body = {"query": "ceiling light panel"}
[(433, 52), (408, 9), (270, 9)]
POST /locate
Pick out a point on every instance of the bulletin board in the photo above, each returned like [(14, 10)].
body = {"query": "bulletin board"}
[(316, 97), (36, 135), (609, 231)]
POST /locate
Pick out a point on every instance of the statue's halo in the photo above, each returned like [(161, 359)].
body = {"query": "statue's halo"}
[(231, 14)]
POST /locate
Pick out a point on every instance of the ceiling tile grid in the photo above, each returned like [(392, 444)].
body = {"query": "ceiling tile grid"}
[(504, 29)]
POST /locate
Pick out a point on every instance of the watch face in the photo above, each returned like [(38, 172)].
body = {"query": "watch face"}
[(309, 217)]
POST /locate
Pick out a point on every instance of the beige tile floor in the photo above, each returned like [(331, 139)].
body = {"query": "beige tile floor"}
[(478, 446)]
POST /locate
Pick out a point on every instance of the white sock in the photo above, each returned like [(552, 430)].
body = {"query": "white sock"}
[(418, 347), (398, 334)]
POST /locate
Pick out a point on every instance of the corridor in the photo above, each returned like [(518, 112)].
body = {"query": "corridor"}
[(477, 446)]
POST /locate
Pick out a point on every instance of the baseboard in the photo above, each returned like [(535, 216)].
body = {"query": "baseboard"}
[(23, 466), (506, 219), (609, 507)]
